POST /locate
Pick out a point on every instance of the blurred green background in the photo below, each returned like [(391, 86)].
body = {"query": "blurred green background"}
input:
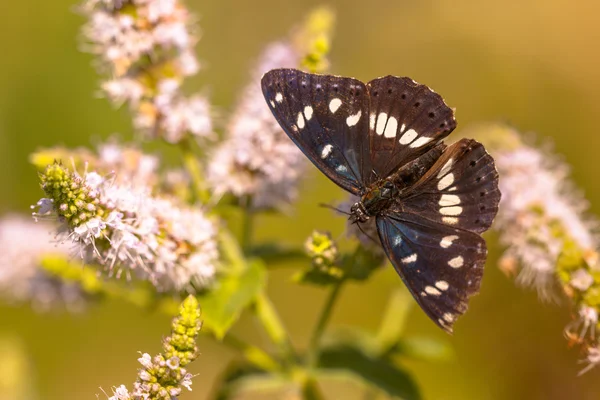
[(531, 63)]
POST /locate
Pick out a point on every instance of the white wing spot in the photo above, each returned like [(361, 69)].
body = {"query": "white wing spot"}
[(449, 200), (448, 317), (445, 169), (456, 262), (279, 97), (334, 104), (423, 294), (409, 259), (420, 142), (447, 241), (353, 119), (455, 210), (450, 220), (372, 121), (381, 120), (272, 103), (397, 241), (431, 290), (341, 168), (409, 136), (308, 112), (442, 285), (327, 149), (446, 181), (300, 121), (402, 128), (391, 128)]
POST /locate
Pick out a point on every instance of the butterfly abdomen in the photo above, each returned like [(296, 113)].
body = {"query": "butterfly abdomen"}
[(408, 174)]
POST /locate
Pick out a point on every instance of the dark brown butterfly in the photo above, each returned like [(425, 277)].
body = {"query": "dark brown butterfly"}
[(382, 141)]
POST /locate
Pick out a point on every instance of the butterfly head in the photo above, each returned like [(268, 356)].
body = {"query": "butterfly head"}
[(358, 213), (374, 201)]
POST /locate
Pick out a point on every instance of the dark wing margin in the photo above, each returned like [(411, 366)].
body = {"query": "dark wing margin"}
[(406, 120), (327, 118), (460, 189), (442, 266)]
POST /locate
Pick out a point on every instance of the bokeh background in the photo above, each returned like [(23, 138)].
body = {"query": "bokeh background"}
[(531, 63)]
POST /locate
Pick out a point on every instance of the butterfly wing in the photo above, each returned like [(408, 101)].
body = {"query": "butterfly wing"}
[(327, 117), (460, 189), (406, 119), (442, 266)]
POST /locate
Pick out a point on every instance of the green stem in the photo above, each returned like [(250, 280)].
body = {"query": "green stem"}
[(315, 341), (247, 228), (274, 327), (252, 354), (194, 168)]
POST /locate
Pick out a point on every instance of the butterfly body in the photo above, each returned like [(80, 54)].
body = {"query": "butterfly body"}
[(382, 141)]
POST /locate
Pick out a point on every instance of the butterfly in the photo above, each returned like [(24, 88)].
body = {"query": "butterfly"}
[(382, 141)]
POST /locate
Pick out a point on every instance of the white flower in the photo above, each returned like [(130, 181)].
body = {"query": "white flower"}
[(186, 116), (592, 359), (581, 280), (173, 363), (536, 195), (257, 158), (88, 231), (23, 244), (585, 324), (148, 49), (146, 360), (122, 90), (120, 393), (158, 239), (45, 206)]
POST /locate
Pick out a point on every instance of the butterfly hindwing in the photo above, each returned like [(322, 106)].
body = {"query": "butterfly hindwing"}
[(406, 119), (460, 190), (327, 117), (442, 266)]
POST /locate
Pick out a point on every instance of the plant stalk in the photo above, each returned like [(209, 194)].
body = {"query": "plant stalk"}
[(274, 327), (194, 168), (252, 354), (315, 341)]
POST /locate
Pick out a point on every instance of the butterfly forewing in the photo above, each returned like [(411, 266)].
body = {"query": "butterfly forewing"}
[(460, 190), (442, 266), (327, 117), (406, 120)]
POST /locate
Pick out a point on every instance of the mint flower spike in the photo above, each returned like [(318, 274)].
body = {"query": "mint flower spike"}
[(147, 48), (323, 251), (544, 224), (163, 376), (117, 222), (257, 159), (23, 246)]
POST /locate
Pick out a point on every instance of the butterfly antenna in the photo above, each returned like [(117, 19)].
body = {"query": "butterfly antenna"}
[(365, 233), (334, 208)]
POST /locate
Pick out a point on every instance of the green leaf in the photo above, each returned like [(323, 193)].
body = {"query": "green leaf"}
[(222, 306), (361, 264), (377, 372), (394, 319), (425, 349), (316, 277), (273, 253), (231, 253), (240, 378)]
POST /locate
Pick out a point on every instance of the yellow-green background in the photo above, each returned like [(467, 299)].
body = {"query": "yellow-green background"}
[(532, 63)]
